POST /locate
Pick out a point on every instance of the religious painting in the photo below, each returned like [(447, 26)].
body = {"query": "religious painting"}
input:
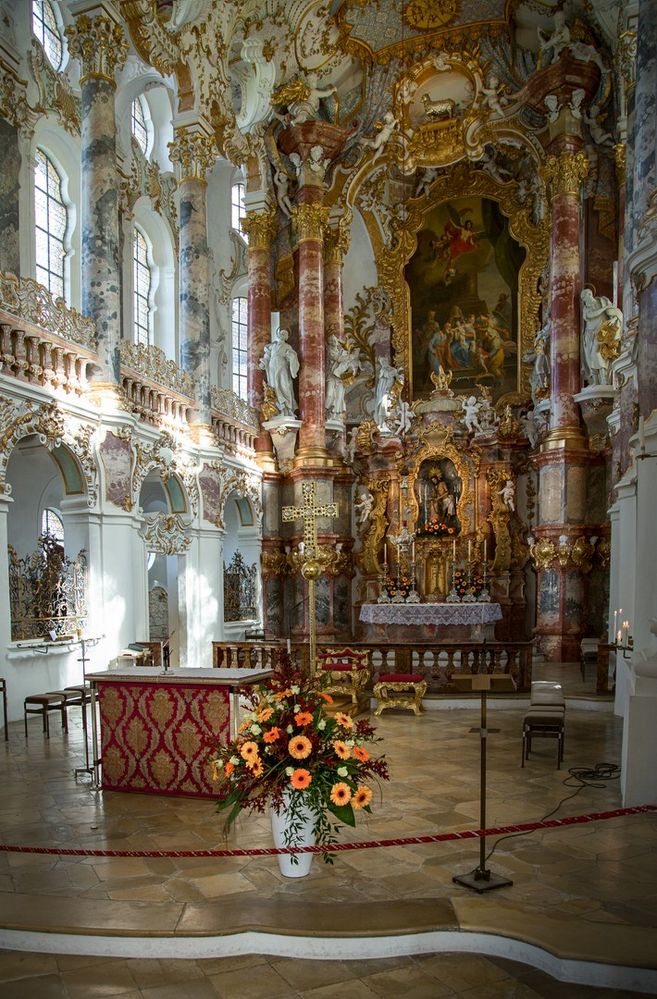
[(463, 283), (438, 489)]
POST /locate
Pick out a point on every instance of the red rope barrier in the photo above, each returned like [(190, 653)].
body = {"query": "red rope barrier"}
[(521, 827)]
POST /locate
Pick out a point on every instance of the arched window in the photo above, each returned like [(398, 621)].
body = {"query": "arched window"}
[(50, 222), (141, 273), (240, 344), (237, 207), (52, 524), (138, 125), (45, 28)]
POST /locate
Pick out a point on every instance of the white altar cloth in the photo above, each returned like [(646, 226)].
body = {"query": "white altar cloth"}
[(444, 614)]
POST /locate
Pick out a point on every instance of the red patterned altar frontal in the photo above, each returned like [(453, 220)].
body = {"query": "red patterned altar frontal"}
[(156, 738)]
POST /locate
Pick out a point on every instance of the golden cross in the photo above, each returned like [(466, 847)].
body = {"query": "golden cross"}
[(309, 513)]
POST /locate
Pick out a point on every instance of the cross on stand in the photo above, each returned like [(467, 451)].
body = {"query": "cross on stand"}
[(311, 567)]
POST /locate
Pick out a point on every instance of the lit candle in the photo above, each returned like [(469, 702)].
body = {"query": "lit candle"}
[(412, 551), (615, 620), (485, 551), (618, 638), (469, 551), (289, 646), (454, 550)]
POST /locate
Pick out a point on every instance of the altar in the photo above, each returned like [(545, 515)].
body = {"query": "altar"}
[(458, 622), (157, 729)]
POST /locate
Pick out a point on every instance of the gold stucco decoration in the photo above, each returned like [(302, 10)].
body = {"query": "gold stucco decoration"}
[(99, 44), (429, 14)]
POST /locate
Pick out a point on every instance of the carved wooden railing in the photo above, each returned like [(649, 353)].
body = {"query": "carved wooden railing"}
[(438, 663)]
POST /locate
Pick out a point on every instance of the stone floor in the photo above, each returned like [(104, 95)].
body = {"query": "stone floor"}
[(586, 892)]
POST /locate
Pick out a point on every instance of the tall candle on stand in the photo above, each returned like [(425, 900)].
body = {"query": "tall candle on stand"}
[(454, 550), (469, 551)]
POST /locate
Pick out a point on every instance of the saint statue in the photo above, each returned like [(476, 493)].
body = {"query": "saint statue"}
[(281, 366), (387, 378), (339, 362), (601, 336)]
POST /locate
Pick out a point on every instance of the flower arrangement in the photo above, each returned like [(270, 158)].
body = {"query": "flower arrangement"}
[(403, 585), (287, 747), (460, 582), (437, 528)]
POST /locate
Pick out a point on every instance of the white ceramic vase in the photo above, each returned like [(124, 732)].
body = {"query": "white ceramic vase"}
[(304, 837)]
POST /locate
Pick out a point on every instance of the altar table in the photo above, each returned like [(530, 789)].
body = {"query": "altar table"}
[(471, 622), (157, 729)]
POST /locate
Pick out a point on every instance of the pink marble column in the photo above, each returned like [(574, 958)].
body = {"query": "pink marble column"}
[(335, 246), (100, 46), (309, 220), (563, 175), (260, 228)]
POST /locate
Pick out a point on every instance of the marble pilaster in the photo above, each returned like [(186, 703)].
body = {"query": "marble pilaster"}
[(260, 228), (100, 46), (193, 153), (10, 262)]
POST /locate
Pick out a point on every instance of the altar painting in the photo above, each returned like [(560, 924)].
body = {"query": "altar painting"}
[(438, 489), (463, 284)]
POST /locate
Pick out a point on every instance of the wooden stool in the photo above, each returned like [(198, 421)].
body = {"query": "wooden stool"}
[(349, 671), (41, 704), (547, 722), (3, 691), (400, 690)]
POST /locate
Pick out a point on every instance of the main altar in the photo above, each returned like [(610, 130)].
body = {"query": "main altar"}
[(454, 622)]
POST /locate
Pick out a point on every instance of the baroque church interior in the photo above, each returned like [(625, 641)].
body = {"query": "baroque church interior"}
[(331, 326)]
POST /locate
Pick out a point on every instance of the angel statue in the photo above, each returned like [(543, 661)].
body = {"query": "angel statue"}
[(340, 362), (363, 507), (386, 128), (388, 384)]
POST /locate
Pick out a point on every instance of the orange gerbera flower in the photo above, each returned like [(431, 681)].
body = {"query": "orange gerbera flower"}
[(228, 768), (265, 714), (257, 768), (343, 720), (243, 727), (342, 750), (272, 735), (300, 779), (361, 754), (282, 694), (361, 798), (253, 762), (303, 718), (249, 751), (299, 747), (324, 696), (340, 794)]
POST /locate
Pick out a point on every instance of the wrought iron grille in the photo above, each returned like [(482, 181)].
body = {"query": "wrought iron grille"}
[(47, 591), (240, 590)]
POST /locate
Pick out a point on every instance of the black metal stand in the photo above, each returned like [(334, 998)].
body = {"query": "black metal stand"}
[(482, 879), (91, 764)]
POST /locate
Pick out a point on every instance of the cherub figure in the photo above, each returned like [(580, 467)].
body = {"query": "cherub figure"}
[(386, 129), (282, 184), (493, 95), (471, 414), (508, 494), (363, 507)]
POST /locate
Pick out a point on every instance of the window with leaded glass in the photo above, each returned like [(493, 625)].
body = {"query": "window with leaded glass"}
[(237, 208), (240, 345), (50, 223), (46, 29), (141, 272), (138, 123)]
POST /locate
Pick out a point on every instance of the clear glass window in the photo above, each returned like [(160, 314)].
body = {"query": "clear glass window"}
[(237, 208), (138, 123), (141, 273), (45, 28), (52, 525), (240, 323), (51, 220)]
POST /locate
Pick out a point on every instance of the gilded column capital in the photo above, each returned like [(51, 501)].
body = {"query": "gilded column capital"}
[(260, 227), (193, 153), (310, 221), (620, 159), (337, 239), (563, 174), (99, 44)]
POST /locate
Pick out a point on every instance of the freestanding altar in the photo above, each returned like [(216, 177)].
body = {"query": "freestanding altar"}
[(157, 729), (462, 622)]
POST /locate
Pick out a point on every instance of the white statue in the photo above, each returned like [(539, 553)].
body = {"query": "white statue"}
[(387, 378), (282, 183), (576, 99), (363, 507), (508, 494), (532, 426), (598, 134), (350, 446), (339, 362), (317, 162), (471, 414), (404, 418), (603, 323), (386, 129), (297, 162), (281, 366), (551, 46), (441, 62), (491, 166), (551, 102), (425, 181), (307, 108)]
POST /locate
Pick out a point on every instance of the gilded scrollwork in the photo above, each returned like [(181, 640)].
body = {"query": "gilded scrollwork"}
[(499, 518), (260, 227), (193, 153), (310, 221), (99, 44), (55, 92), (165, 533), (152, 363), (245, 484), (29, 300), (273, 563), (368, 557), (564, 174)]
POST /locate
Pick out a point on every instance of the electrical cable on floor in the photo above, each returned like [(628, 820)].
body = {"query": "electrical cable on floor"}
[(597, 776)]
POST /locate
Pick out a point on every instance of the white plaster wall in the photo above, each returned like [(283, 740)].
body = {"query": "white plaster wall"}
[(359, 269)]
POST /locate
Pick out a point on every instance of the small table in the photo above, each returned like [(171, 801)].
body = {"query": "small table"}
[(158, 728)]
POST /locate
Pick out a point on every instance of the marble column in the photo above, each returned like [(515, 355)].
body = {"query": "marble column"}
[(563, 174), (309, 220), (10, 261), (260, 228), (193, 153), (336, 245), (100, 46)]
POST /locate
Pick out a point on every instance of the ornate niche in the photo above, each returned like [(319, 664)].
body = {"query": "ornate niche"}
[(463, 246), (442, 502)]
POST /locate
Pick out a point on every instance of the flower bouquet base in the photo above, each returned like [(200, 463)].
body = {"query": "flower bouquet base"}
[(469, 598), (453, 597), (484, 597)]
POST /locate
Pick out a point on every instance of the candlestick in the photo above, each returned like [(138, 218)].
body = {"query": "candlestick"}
[(484, 554), (289, 646), (412, 551), (469, 551), (454, 550)]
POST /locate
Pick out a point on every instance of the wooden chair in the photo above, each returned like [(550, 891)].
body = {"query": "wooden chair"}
[(41, 704), (400, 690), (349, 671), (545, 717)]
